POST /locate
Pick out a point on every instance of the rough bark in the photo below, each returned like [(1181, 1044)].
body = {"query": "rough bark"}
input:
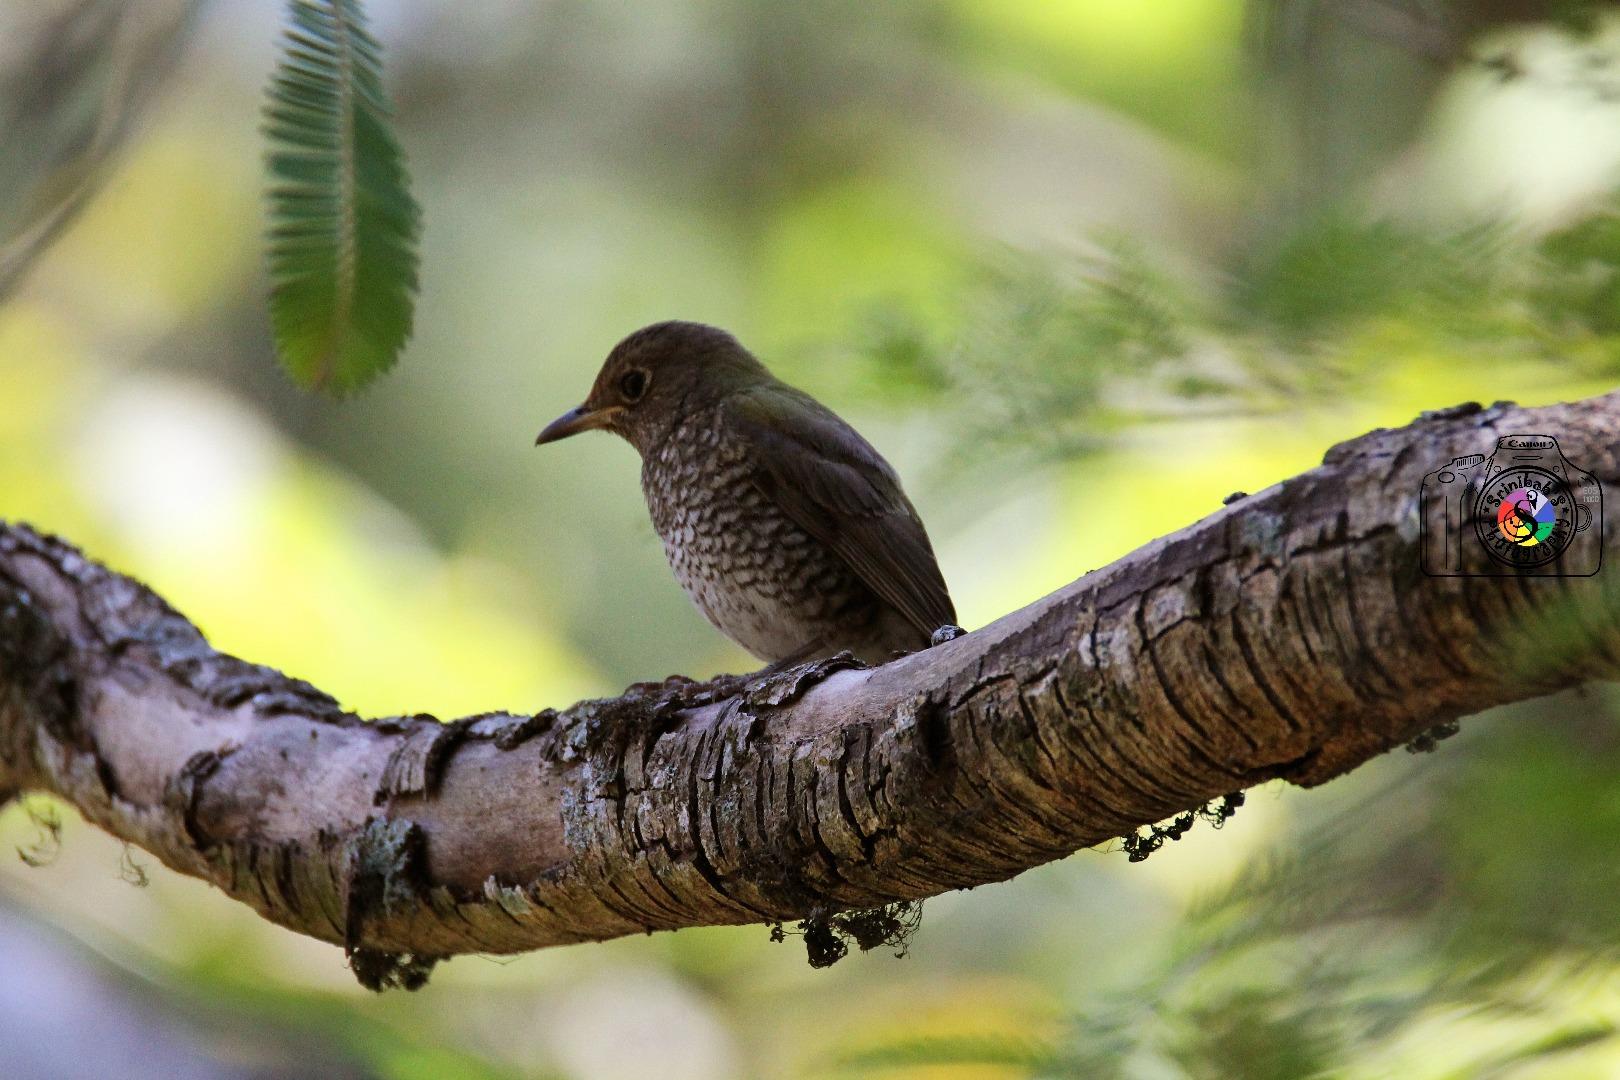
[(1291, 634)]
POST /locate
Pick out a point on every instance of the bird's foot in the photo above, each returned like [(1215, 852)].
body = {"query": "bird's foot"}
[(948, 632), (784, 664), (684, 692), (787, 680)]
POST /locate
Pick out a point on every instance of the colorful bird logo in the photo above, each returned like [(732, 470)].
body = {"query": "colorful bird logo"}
[(1525, 517)]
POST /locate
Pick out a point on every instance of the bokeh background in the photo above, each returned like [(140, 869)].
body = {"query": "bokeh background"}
[(1080, 268)]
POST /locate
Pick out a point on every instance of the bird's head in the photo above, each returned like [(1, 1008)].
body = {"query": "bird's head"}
[(656, 376)]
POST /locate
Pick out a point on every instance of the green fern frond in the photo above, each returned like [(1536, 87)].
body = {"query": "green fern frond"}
[(343, 225)]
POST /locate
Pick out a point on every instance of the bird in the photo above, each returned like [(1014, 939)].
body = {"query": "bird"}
[(788, 531)]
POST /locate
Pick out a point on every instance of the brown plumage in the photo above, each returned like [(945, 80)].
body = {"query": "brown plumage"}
[(787, 529)]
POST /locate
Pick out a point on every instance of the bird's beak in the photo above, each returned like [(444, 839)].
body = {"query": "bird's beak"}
[(577, 420)]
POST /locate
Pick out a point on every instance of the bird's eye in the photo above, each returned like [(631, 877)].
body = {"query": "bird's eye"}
[(632, 384)]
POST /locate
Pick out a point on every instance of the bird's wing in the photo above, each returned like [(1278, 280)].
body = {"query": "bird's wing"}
[(832, 482)]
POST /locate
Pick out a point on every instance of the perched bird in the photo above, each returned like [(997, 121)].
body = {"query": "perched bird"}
[(785, 527)]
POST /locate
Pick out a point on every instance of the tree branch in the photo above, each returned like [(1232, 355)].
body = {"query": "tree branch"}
[(1292, 634)]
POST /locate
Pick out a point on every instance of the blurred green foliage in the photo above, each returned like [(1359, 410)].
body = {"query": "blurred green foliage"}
[(1042, 253), (1451, 918)]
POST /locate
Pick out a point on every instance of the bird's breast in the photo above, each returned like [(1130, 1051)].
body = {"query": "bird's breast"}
[(759, 577)]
